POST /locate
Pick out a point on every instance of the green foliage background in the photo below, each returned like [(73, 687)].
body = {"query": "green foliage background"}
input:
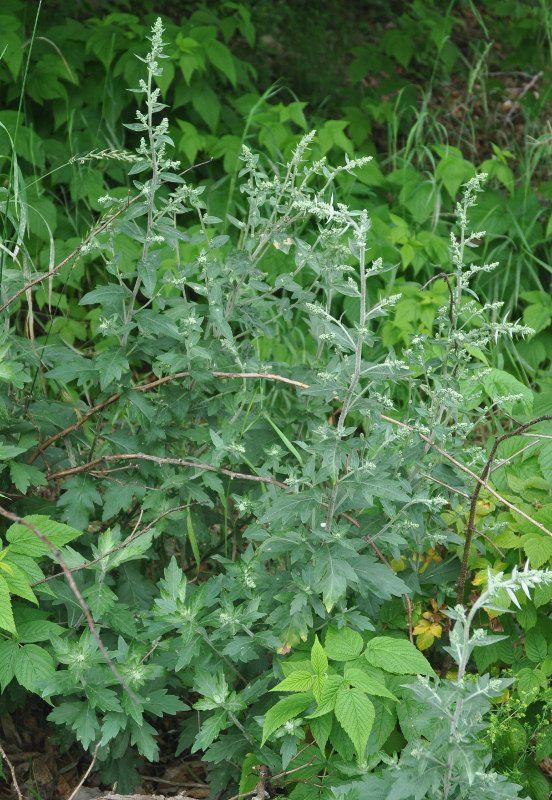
[(191, 404)]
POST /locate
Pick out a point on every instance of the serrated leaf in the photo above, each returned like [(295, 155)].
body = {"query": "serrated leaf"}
[(544, 744), (103, 698), (33, 666), (319, 660), (499, 383), (328, 694), (17, 581), (535, 645), (159, 702), (221, 57), (100, 598), (112, 294), (26, 542), (360, 680), (283, 711), (527, 616), (341, 742), (38, 630), (6, 612), (111, 364), (298, 681), (143, 737), (384, 723), (320, 729), (210, 729), (343, 644), (538, 548), (25, 475), (398, 656), (86, 725), (112, 723), (356, 714), (9, 649)]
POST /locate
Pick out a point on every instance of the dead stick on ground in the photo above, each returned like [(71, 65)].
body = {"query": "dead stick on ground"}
[(86, 774), (14, 778)]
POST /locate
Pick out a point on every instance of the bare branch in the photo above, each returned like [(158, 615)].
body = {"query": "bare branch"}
[(145, 387)]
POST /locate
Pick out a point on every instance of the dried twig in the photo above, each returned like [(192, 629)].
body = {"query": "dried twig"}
[(179, 462), (86, 774), (14, 777), (482, 482), (468, 471), (145, 387), (281, 774)]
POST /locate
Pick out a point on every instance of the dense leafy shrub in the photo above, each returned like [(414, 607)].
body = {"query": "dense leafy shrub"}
[(241, 402)]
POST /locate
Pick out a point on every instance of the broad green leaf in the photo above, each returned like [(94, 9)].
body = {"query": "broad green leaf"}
[(86, 724), (527, 616), (531, 681), (25, 475), (397, 655), (160, 702), (544, 744), (147, 271), (74, 367), (26, 542), (343, 644), (384, 723), (320, 729), (6, 613), (106, 295), (356, 714), (113, 722), (103, 698), (545, 457), (221, 57), (328, 694), (143, 737), (112, 364), (298, 681), (206, 103), (499, 383), (9, 650), (360, 680), (284, 710), (289, 666), (341, 742), (210, 729), (17, 580), (319, 660), (33, 666), (535, 645), (538, 548)]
